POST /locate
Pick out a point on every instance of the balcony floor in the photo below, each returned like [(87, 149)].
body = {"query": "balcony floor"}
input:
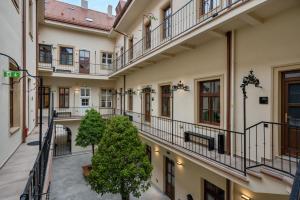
[(14, 174), (68, 182)]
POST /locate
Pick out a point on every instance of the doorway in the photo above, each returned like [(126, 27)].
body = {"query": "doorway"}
[(62, 140), (170, 178), (291, 112), (147, 107), (84, 61)]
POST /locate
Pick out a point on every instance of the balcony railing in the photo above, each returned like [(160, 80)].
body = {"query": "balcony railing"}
[(79, 112), (35, 184), (172, 27), (77, 67)]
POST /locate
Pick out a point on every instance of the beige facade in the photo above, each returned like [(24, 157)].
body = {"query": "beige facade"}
[(18, 40), (221, 44)]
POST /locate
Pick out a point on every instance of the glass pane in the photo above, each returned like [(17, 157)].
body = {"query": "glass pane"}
[(82, 92), (294, 93), (206, 87), (216, 86), (205, 103), (216, 117), (292, 75), (102, 103), (205, 115), (109, 55), (87, 92), (216, 103), (294, 116)]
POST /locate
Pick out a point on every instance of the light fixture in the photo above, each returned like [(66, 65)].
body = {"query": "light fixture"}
[(148, 89), (245, 197), (179, 163), (181, 86), (130, 92), (76, 90), (156, 150)]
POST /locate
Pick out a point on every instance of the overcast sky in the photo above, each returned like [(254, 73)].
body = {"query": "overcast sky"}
[(99, 5)]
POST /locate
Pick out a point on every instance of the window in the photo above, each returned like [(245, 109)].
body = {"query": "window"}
[(85, 97), (45, 53), (46, 97), (210, 5), (130, 101), (167, 22), (148, 35), (107, 59), (31, 18), (16, 4), (149, 152), (212, 192), (66, 56), (130, 46), (64, 97), (14, 99), (106, 98), (209, 99), (165, 100)]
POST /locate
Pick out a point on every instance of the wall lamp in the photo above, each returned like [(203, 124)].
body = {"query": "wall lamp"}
[(130, 92), (245, 197), (181, 86), (156, 150), (148, 89), (179, 163)]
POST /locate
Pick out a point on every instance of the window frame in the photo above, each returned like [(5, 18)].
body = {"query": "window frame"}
[(85, 97), (14, 120), (167, 21), (46, 95), (130, 101), (165, 96), (62, 97), (46, 53), (30, 18), (211, 7), (210, 96), (69, 56), (147, 28), (149, 152), (106, 101), (215, 191), (130, 48)]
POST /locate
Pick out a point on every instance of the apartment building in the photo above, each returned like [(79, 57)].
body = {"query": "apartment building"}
[(18, 53), (182, 71)]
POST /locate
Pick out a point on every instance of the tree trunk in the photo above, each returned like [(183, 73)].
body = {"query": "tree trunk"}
[(93, 148), (125, 196)]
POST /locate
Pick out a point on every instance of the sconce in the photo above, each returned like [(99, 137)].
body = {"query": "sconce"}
[(76, 90), (179, 163), (180, 86), (245, 197), (148, 89), (130, 92), (156, 150)]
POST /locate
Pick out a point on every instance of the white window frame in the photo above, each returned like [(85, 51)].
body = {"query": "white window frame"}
[(88, 97), (106, 101), (104, 55)]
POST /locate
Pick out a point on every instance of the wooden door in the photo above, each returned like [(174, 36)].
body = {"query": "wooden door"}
[(170, 179), (84, 62), (291, 113), (147, 107)]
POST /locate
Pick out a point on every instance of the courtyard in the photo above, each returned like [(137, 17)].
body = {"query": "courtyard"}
[(69, 184)]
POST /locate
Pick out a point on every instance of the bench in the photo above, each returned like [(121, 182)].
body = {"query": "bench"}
[(194, 137), (63, 114)]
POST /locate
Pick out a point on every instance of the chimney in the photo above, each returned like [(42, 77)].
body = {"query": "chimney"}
[(109, 10), (85, 4)]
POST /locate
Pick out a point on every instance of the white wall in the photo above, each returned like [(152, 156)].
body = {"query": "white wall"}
[(11, 44)]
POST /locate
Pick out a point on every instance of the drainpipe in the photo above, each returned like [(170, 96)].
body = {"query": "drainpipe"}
[(24, 73), (124, 86), (228, 93), (233, 77)]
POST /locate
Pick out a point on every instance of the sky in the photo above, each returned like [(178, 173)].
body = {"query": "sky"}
[(99, 5)]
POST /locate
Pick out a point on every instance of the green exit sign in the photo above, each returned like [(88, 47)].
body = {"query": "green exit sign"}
[(12, 74)]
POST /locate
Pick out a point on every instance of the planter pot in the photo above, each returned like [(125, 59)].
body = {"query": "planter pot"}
[(86, 170)]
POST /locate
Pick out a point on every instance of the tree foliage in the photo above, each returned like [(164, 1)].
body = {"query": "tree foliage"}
[(91, 129), (120, 164)]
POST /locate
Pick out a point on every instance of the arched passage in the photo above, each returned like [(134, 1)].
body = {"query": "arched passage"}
[(62, 140)]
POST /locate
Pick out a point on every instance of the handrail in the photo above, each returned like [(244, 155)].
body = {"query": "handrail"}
[(295, 193)]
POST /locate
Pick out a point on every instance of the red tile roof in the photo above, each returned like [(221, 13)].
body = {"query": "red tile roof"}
[(75, 15)]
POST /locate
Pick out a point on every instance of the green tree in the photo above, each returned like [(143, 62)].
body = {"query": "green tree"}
[(120, 164), (91, 129)]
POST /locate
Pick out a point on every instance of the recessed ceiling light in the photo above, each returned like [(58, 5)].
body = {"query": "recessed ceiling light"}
[(89, 19)]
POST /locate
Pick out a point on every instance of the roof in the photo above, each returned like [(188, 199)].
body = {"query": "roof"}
[(124, 6), (76, 15)]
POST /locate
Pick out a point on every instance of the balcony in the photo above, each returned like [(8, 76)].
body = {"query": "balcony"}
[(239, 152), (76, 69)]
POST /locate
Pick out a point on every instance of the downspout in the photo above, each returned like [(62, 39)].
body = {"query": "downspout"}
[(232, 117), (228, 93), (24, 73), (124, 86), (36, 61)]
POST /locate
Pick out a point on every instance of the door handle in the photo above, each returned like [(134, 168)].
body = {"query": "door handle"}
[(286, 117)]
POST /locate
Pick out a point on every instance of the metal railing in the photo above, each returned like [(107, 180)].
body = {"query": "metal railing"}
[(295, 193), (180, 22), (78, 112), (77, 67), (35, 184), (265, 149), (205, 141)]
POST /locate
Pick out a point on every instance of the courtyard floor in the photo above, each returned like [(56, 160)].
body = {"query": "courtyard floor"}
[(68, 182)]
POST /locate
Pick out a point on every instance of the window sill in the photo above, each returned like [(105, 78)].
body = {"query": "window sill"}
[(13, 130), (209, 125)]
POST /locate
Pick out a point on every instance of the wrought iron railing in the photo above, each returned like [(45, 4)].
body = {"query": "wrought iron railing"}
[(295, 193), (265, 149), (78, 112), (35, 183), (77, 67), (180, 22)]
